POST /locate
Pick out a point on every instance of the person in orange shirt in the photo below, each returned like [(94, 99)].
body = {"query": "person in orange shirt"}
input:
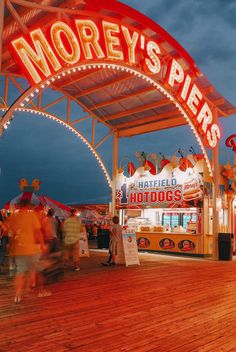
[(26, 246)]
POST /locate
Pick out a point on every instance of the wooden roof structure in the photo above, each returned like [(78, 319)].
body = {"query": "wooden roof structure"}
[(124, 102)]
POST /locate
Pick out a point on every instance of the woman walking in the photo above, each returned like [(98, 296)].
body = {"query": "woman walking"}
[(115, 241)]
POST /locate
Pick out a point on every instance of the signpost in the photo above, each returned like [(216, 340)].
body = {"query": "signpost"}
[(130, 249)]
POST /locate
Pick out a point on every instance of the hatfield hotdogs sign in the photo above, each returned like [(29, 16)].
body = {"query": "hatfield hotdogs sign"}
[(45, 52), (170, 188)]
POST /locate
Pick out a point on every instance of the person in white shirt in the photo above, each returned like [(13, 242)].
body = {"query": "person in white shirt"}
[(72, 228)]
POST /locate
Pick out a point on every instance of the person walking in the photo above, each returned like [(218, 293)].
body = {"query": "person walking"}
[(49, 228), (26, 246), (3, 243), (115, 241), (72, 228)]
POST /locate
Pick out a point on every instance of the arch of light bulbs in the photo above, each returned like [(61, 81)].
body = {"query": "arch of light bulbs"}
[(30, 93), (73, 130)]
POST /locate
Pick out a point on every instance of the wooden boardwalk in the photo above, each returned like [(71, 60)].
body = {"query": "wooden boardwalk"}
[(167, 304)]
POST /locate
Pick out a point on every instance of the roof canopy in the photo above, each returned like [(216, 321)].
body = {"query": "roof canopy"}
[(119, 96), (60, 209)]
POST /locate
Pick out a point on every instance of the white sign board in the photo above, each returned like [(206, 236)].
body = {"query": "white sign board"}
[(83, 245), (130, 249)]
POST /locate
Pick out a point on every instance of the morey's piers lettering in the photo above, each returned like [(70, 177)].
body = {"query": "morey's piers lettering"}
[(44, 52)]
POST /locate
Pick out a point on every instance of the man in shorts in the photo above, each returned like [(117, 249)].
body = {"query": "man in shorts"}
[(72, 228)]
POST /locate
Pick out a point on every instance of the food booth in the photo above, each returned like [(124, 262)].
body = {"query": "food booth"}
[(170, 208)]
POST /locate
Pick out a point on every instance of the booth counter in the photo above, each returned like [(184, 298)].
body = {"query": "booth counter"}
[(185, 243)]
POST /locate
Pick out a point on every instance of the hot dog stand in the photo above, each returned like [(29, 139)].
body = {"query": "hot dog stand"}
[(171, 210)]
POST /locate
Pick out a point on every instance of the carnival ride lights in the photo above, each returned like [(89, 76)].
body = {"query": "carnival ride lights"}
[(31, 92)]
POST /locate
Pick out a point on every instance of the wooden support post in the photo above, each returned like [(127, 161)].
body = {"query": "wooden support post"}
[(215, 162), (2, 6), (114, 171)]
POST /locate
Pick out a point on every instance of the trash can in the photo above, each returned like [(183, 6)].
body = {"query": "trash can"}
[(103, 238), (225, 247)]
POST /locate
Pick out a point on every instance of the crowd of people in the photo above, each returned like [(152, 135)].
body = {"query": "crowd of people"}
[(30, 240)]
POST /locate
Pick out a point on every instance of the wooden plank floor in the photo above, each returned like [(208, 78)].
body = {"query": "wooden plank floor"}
[(166, 304)]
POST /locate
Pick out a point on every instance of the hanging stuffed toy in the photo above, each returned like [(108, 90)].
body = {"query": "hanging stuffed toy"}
[(25, 186)]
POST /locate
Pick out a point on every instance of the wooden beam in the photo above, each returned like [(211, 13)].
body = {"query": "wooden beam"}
[(68, 110), (79, 78), (84, 107), (219, 101), (93, 130), (125, 97), (231, 111), (152, 127), (207, 90), (137, 110), (2, 6), (46, 8), (53, 103), (16, 17), (72, 123), (102, 86), (7, 64), (6, 90), (39, 99), (103, 139), (21, 90), (174, 113)]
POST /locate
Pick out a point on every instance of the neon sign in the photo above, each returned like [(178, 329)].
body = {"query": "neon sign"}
[(230, 142), (41, 54), (169, 188)]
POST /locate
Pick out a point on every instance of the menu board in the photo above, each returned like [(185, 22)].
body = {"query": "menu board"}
[(130, 249)]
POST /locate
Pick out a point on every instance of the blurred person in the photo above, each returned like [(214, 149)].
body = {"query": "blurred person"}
[(59, 229), (3, 242), (115, 241), (72, 228), (49, 228), (95, 231), (11, 259), (26, 245)]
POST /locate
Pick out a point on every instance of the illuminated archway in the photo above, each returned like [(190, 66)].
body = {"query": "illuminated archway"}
[(86, 36), (31, 92)]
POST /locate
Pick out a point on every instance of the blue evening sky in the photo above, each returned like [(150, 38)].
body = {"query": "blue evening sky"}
[(34, 147)]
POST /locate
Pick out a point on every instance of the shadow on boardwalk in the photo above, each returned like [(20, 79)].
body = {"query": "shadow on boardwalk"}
[(165, 304)]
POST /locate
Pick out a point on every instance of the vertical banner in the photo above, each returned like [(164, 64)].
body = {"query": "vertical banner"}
[(83, 245), (130, 249)]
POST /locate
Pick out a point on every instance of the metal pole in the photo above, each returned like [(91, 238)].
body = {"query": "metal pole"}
[(2, 7), (114, 170)]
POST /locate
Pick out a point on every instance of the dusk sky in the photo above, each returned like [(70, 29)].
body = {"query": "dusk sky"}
[(34, 147)]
